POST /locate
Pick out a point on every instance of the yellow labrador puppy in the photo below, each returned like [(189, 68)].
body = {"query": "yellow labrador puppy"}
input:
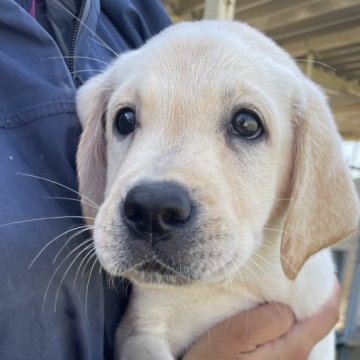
[(218, 170)]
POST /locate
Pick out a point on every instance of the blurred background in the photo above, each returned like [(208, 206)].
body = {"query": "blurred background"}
[(324, 38)]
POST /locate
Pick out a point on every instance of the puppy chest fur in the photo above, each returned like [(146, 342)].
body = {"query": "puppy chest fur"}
[(217, 168)]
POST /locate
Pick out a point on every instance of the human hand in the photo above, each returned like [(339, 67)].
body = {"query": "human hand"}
[(266, 332)]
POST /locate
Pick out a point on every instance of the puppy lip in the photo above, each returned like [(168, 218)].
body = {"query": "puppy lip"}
[(157, 267), (156, 278)]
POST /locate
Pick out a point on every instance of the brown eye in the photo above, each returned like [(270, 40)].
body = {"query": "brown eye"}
[(125, 121), (246, 124)]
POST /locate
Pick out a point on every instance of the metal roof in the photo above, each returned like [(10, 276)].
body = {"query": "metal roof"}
[(324, 35)]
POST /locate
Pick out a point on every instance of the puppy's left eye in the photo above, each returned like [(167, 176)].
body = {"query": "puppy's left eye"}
[(246, 124), (125, 121)]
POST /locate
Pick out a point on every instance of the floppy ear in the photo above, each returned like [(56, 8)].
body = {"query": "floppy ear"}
[(91, 155), (324, 206)]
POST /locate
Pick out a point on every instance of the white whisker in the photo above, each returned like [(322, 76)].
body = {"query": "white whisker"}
[(59, 184), (271, 265), (80, 231), (316, 62), (282, 257), (67, 270), (256, 276), (46, 218), (293, 235), (87, 289), (87, 262), (75, 57), (85, 70), (51, 242), (70, 199), (58, 268), (82, 261), (258, 266), (106, 47), (102, 42)]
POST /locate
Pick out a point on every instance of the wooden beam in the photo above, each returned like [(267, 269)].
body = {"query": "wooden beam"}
[(355, 65), (306, 13), (350, 136), (352, 73), (185, 6), (319, 43), (348, 110), (257, 8), (348, 127), (343, 59), (348, 123), (341, 52), (220, 9), (330, 81)]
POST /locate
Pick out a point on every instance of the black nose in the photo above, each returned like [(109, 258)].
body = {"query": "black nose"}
[(157, 208)]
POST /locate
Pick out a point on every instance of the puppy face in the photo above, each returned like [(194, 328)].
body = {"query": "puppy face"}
[(189, 143)]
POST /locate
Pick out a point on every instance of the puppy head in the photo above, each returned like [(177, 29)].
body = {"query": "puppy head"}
[(188, 145)]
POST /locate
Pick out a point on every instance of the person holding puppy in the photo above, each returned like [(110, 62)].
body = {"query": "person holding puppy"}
[(48, 49)]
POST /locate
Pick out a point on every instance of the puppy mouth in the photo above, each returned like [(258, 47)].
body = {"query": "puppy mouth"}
[(155, 272), (155, 266)]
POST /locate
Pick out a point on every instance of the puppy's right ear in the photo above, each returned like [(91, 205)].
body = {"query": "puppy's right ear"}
[(91, 156)]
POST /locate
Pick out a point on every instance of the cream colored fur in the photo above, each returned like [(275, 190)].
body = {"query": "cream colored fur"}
[(271, 206)]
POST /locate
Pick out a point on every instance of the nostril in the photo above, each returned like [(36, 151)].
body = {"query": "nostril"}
[(137, 216), (134, 214), (133, 210), (170, 217), (174, 217)]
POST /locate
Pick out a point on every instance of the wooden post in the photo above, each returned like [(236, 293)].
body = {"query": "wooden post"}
[(220, 9), (309, 65)]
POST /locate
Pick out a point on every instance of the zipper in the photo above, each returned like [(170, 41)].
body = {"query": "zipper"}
[(77, 28)]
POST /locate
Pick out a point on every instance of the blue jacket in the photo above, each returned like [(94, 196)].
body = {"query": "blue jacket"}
[(45, 54)]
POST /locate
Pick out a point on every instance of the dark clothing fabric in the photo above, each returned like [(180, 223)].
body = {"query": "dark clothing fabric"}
[(62, 309)]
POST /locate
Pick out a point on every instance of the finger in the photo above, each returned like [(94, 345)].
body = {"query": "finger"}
[(281, 349), (256, 327), (303, 335), (243, 333)]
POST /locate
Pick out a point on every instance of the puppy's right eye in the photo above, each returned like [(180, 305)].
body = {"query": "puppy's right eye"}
[(125, 121)]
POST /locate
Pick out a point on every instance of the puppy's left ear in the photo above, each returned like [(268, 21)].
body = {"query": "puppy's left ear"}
[(324, 207), (91, 156)]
